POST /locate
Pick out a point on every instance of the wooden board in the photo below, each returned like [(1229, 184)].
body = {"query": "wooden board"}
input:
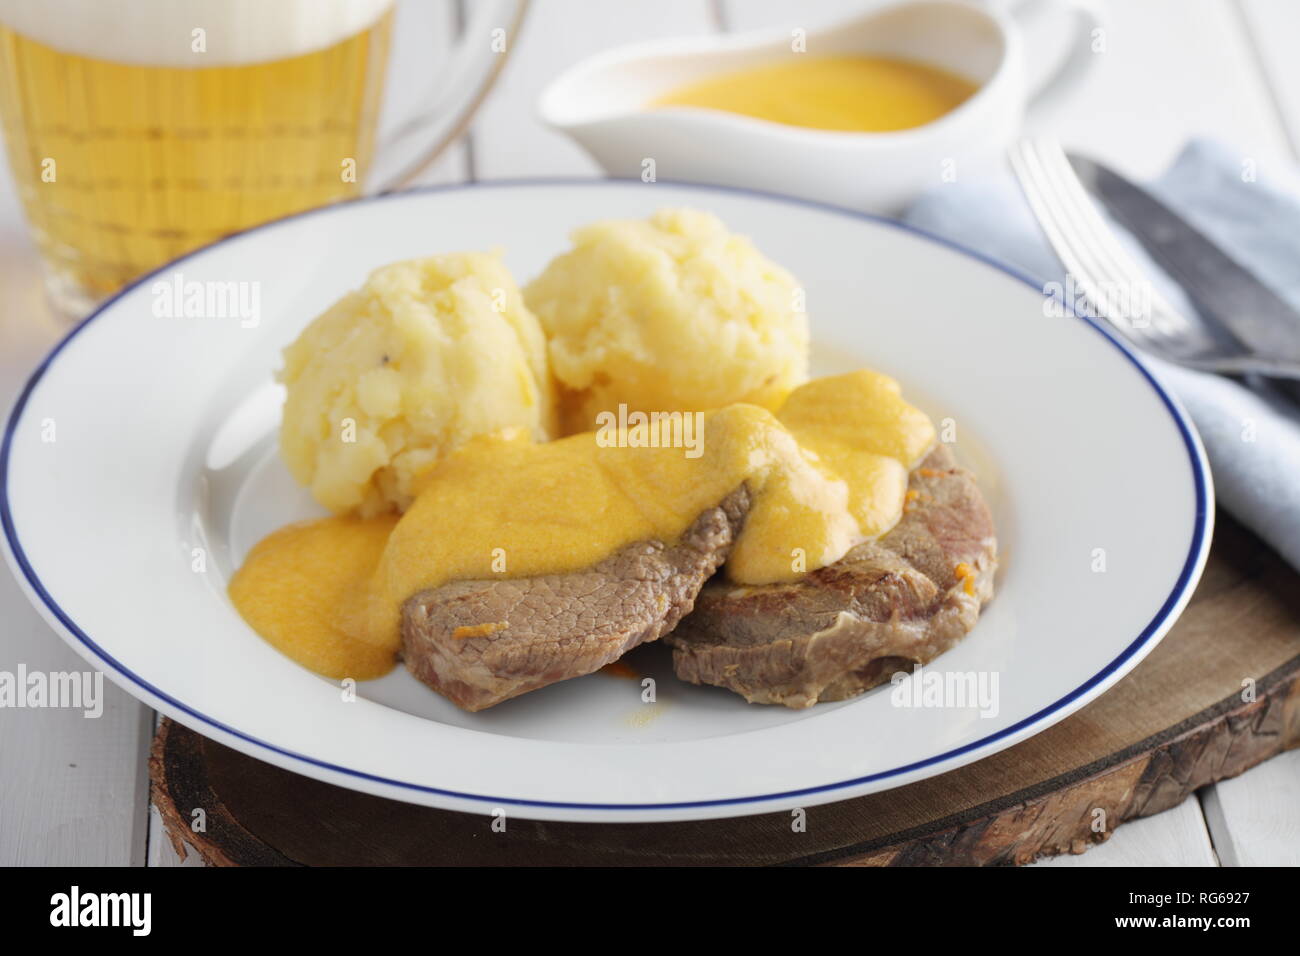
[(1179, 721)]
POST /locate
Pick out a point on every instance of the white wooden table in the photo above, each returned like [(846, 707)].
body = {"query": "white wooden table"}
[(73, 791)]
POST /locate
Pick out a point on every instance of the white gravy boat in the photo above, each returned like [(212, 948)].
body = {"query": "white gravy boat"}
[(602, 103)]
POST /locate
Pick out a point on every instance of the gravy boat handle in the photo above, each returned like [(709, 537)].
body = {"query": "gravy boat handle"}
[(1081, 54)]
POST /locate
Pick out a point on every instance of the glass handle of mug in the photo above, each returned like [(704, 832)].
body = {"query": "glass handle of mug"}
[(472, 68), (1081, 55)]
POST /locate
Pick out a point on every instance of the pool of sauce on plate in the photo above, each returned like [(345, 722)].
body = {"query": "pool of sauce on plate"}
[(620, 669), (863, 94), (827, 471)]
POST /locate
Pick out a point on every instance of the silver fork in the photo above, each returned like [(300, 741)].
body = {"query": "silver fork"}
[(1114, 284)]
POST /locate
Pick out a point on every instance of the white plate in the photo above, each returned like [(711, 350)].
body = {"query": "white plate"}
[(163, 443)]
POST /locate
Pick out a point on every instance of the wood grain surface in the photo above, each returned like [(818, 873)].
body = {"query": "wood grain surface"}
[(1220, 694)]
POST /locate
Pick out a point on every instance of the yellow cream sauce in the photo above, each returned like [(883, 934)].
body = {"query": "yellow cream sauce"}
[(846, 93), (827, 471)]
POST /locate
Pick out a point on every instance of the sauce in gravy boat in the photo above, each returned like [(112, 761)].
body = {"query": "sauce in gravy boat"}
[(609, 103)]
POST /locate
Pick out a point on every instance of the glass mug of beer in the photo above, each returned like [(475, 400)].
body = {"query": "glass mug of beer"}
[(138, 130)]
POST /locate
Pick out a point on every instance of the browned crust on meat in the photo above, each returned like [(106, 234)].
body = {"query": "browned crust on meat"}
[(885, 606), (482, 642)]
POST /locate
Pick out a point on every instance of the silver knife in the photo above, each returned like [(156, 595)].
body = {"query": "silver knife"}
[(1222, 291)]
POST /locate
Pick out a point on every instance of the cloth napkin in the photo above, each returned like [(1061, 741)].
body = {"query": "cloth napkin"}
[(1250, 208)]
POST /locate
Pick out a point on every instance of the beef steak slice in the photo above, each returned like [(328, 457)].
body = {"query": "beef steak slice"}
[(481, 642), (886, 605)]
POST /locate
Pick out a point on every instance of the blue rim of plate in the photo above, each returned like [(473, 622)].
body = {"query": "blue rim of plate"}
[(1161, 618)]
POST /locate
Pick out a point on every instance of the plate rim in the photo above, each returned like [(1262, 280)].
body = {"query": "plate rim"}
[(1143, 643)]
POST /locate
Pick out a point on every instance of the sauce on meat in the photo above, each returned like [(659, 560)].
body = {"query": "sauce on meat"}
[(825, 472)]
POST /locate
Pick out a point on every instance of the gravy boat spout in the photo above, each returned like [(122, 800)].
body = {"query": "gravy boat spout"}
[(604, 104)]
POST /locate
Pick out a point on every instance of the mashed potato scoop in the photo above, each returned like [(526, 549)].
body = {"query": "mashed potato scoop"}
[(426, 355), (673, 313)]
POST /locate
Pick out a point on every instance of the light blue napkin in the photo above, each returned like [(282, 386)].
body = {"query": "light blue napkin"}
[(1250, 207)]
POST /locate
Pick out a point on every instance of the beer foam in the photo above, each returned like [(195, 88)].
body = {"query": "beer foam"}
[(162, 32)]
